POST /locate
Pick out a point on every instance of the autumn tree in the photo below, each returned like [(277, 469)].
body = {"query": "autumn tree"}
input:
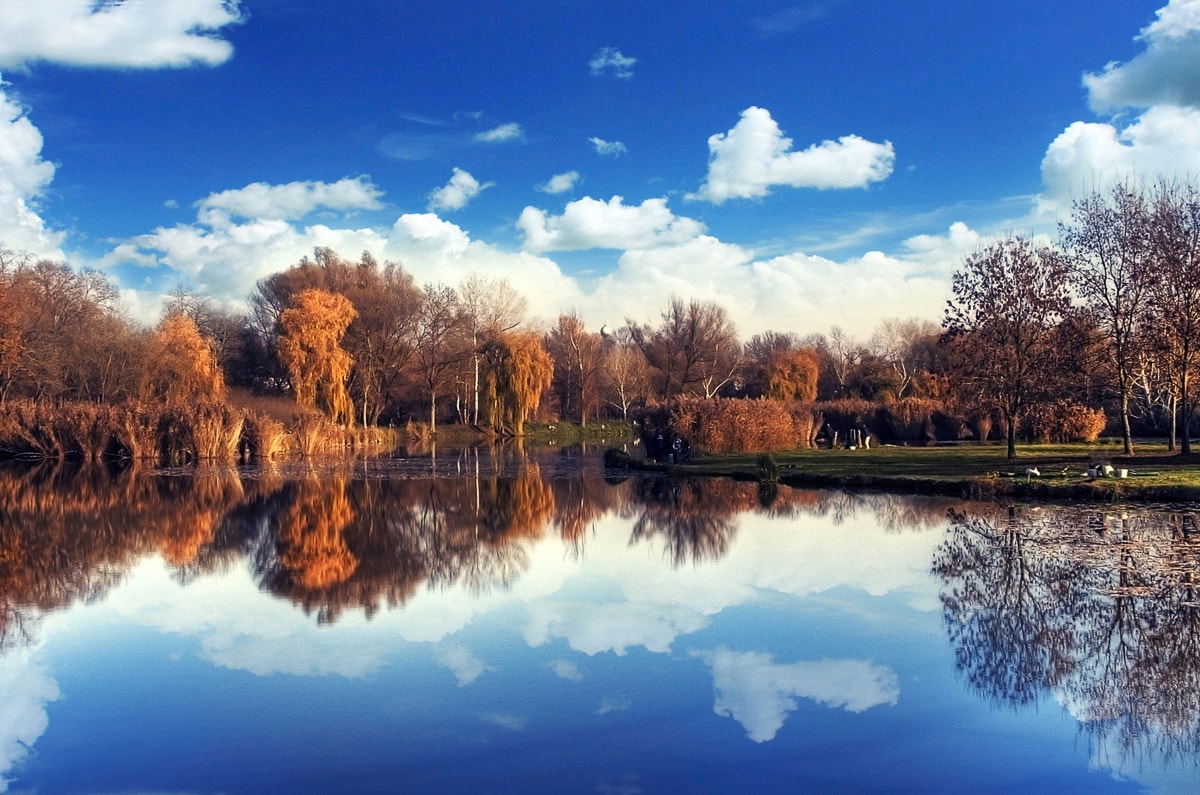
[(1173, 314), (516, 370), (578, 356), (1108, 248), (1008, 300), (440, 342), (779, 368), (310, 348), (182, 365)]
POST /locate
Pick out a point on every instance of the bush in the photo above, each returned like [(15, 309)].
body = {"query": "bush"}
[(1065, 421), (734, 425)]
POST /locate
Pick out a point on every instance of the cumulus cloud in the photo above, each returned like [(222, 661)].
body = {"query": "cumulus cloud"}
[(294, 199), (754, 156), (27, 688), (608, 148), (615, 627), (24, 177), (1166, 72), (505, 132), (1088, 156), (560, 183), (458, 192), (609, 61), (592, 223), (759, 693), (164, 33)]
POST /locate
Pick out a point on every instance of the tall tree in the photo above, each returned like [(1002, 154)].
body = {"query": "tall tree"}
[(1109, 250), (578, 356), (440, 343), (381, 337), (313, 327), (625, 378), (1008, 300), (1174, 311), (694, 348), (489, 307)]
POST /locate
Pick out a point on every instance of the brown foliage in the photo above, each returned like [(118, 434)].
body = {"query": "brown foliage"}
[(1065, 421), (735, 425), (313, 327)]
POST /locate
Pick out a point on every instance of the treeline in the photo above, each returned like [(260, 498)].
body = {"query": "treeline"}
[(1039, 339)]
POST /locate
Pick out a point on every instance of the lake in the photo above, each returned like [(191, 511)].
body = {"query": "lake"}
[(487, 622)]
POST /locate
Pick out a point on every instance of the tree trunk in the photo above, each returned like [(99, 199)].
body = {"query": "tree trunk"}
[(432, 411), (1173, 402), (1126, 433), (1186, 450), (1012, 436)]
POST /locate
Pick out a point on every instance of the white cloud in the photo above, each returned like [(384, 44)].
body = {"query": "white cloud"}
[(24, 176), (616, 627), (609, 61), (592, 223), (458, 192), (506, 720), (613, 705), (295, 199), (759, 693), (1089, 156), (560, 183), (754, 156), (465, 666), (505, 132), (608, 148), (1167, 72), (26, 690), (162, 33), (564, 669)]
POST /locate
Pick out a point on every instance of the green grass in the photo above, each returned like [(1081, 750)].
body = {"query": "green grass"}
[(978, 470)]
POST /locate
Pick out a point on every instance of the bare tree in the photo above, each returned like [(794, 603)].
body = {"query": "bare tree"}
[(694, 348), (1108, 247), (578, 356), (440, 341), (1008, 300), (1174, 312), (489, 307)]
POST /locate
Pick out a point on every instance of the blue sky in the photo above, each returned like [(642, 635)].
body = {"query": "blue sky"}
[(805, 164)]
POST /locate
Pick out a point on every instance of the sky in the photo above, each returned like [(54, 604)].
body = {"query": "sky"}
[(804, 164)]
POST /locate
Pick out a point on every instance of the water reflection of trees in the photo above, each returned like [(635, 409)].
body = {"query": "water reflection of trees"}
[(1100, 608), (348, 539)]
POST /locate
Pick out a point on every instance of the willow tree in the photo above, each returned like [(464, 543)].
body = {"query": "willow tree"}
[(516, 371), (1008, 302), (182, 365), (310, 348)]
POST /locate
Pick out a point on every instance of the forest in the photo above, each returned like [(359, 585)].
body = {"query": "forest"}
[(1095, 332)]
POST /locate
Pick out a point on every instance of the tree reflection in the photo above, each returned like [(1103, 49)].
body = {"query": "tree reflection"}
[(1099, 608)]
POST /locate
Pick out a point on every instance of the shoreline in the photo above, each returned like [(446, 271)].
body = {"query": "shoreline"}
[(945, 477)]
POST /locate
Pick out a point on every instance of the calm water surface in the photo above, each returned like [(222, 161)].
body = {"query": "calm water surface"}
[(521, 625)]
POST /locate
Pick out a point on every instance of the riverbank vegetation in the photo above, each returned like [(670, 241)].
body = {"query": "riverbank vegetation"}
[(1093, 335)]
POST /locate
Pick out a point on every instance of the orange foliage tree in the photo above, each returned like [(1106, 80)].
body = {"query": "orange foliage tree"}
[(182, 366), (310, 348)]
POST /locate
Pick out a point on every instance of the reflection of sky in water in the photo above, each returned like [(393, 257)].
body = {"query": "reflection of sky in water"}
[(812, 656)]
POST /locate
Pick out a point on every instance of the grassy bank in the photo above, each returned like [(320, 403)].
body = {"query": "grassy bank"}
[(972, 471)]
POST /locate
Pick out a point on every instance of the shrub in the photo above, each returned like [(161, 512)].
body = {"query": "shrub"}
[(734, 425), (1065, 421)]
